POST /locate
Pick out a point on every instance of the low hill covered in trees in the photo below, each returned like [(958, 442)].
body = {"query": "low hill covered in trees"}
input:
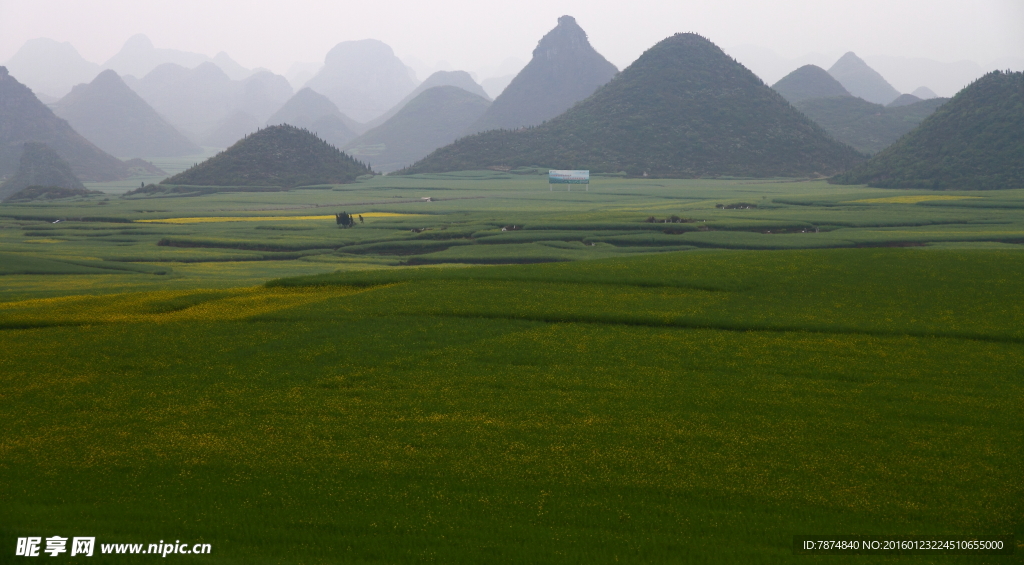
[(283, 156), (809, 81), (461, 79), (905, 100), (974, 141), (683, 109), (433, 119), (866, 126)]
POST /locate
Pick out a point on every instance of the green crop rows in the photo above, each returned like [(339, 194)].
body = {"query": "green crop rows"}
[(697, 391)]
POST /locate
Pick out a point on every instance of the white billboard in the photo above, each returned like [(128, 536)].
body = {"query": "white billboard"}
[(568, 178)]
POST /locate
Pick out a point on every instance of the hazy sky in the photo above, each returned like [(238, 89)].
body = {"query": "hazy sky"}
[(474, 34)]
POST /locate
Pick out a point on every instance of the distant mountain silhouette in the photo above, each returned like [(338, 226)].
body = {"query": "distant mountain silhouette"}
[(24, 118), (865, 126), (46, 98), (198, 101), (433, 119), (262, 93), (924, 93), (231, 67), (119, 121), (942, 77), (194, 100), (494, 86), (138, 167), (809, 81), (861, 80), (683, 109), (363, 78), (974, 141), (313, 111), (231, 129), (460, 79), (51, 68), (138, 57), (497, 77), (564, 70), (903, 100), (283, 156), (40, 166), (300, 73)]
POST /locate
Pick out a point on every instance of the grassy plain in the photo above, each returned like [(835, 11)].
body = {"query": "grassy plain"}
[(458, 218), (685, 396)]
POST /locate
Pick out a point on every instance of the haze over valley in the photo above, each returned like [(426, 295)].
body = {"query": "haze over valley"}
[(153, 101), (601, 282)]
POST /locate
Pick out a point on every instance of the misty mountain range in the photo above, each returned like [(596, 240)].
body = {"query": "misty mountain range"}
[(51, 68), (313, 111), (904, 73), (115, 118), (198, 101), (367, 101), (25, 119)]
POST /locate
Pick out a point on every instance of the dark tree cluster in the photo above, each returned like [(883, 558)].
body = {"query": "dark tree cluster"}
[(673, 219), (346, 220)]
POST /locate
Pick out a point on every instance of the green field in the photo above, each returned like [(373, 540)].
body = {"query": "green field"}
[(457, 219), (588, 387)]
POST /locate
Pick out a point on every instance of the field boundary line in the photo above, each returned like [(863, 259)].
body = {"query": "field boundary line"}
[(696, 325)]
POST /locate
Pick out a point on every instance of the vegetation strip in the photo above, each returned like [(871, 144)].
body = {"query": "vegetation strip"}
[(215, 219), (718, 326), (908, 199)]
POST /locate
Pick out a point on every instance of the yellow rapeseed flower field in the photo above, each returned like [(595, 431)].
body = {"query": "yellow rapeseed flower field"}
[(203, 305), (653, 407)]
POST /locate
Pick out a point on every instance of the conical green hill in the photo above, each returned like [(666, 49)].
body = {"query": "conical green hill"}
[(315, 112), (861, 80), (40, 166), (866, 127), (284, 156), (433, 119), (903, 100), (461, 79), (924, 93), (564, 70), (809, 81), (24, 118), (115, 118), (974, 141), (683, 109)]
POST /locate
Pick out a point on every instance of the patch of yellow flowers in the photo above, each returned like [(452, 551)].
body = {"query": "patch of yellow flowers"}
[(166, 305)]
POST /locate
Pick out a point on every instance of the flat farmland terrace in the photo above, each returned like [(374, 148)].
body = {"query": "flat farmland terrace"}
[(588, 386)]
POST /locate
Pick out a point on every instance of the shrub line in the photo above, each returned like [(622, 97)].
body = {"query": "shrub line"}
[(695, 325)]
